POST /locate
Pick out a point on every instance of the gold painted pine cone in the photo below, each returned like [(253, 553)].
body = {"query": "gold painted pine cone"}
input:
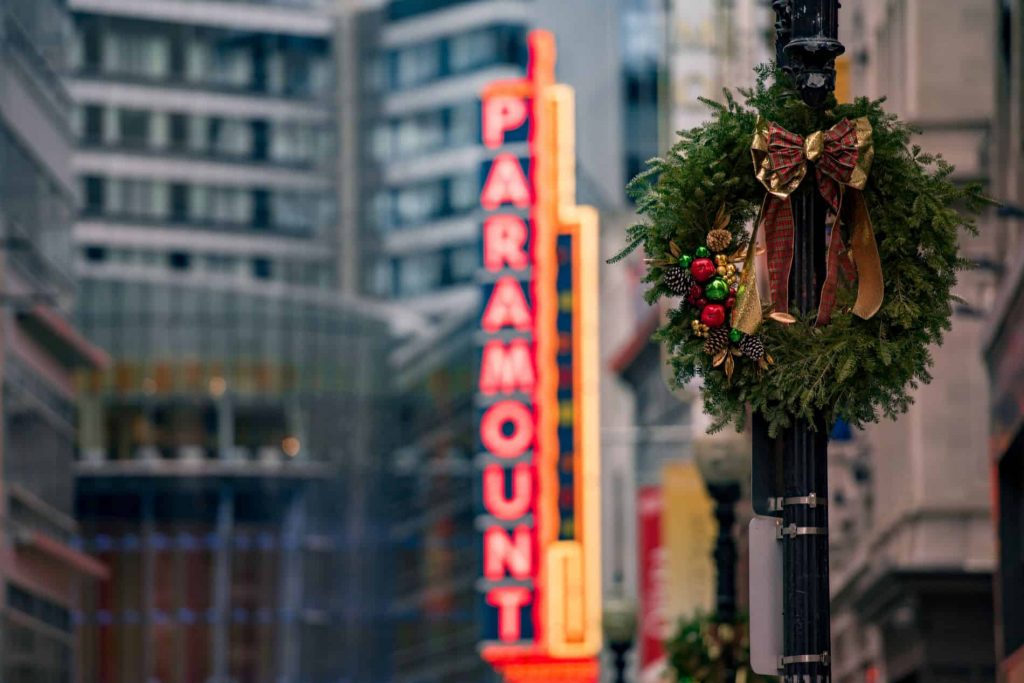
[(719, 240)]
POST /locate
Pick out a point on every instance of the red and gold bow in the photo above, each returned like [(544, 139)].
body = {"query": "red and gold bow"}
[(842, 158)]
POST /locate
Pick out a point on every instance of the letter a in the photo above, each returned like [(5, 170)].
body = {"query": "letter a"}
[(507, 307), (506, 184)]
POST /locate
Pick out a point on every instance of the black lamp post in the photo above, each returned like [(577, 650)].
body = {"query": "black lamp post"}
[(807, 43), (724, 463), (619, 622)]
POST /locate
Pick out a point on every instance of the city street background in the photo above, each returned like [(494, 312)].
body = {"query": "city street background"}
[(240, 327)]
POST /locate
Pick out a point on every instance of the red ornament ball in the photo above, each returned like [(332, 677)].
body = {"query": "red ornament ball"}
[(730, 302), (696, 292), (713, 315), (701, 302), (703, 269)]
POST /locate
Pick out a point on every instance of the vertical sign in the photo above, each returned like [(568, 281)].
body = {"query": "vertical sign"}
[(654, 622), (538, 386)]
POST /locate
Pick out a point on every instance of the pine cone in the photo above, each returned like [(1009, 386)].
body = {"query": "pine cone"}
[(719, 240), (677, 280), (752, 347), (717, 340)]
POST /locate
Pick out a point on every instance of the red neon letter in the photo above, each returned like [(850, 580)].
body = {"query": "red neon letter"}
[(509, 600), (507, 368), (505, 184), (507, 306), (512, 553), (492, 429), (502, 114), (495, 500), (505, 243)]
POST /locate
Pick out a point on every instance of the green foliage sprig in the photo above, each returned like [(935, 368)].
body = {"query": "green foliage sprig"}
[(703, 647), (852, 369)]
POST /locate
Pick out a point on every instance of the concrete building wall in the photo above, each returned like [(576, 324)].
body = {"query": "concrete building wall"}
[(925, 552), (1003, 339)]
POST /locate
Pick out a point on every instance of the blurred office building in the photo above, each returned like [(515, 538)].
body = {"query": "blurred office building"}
[(424, 64), (46, 578), (912, 597), (435, 611), (1005, 341), (226, 455)]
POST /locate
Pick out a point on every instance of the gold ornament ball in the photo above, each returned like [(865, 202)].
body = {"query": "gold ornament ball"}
[(721, 270)]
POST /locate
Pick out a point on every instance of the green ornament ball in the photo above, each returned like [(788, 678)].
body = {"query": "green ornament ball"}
[(702, 252), (685, 260), (717, 290), (735, 336)]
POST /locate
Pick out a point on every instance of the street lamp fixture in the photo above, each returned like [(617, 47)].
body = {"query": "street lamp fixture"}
[(619, 621), (724, 463)]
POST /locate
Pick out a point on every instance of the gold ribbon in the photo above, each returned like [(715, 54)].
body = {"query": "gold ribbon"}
[(842, 156)]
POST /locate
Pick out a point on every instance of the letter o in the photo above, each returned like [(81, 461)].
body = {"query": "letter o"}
[(492, 433)]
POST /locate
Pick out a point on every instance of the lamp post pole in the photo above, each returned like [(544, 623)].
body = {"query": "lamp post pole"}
[(619, 621), (723, 463), (726, 496), (807, 45), (619, 651)]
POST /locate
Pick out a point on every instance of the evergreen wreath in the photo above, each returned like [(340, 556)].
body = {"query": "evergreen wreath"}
[(697, 202)]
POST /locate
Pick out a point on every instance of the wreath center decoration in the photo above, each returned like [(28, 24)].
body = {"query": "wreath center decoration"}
[(886, 285)]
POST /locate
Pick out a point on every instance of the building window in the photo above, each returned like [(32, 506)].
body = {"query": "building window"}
[(465, 261), (95, 254), (94, 194), (420, 274), (260, 208), (136, 54), (221, 263), (139, 199), (92, 129), (178, 125), (419, 203), (92, 45), (403, 9), (179, 260), (418, 134), (134, 129), (179, 203), (472, 50), (463, 124), (417, 64), (463, 192), (261, 269)]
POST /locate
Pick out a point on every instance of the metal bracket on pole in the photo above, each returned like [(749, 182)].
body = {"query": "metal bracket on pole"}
[(804, 658), (823, 658), (811, 500), (792, 531)]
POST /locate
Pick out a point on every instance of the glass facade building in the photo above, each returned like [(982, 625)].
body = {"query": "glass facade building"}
[(45, 578), (421, 136), (224, 454)]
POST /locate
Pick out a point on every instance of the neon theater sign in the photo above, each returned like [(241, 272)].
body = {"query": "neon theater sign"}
[(538, 386)]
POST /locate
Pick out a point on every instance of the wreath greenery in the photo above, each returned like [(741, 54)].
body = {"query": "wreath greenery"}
[(851, 369), (703, 646)]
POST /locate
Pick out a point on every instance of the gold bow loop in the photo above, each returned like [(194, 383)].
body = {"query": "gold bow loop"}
[(842, 157)]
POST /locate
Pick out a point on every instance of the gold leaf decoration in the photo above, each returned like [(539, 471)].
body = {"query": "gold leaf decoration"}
[(783, 318)]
